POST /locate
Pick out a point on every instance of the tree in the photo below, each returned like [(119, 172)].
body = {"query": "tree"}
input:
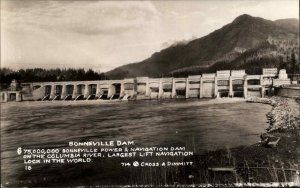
[(282, 64), (293, 63), (47, 75)]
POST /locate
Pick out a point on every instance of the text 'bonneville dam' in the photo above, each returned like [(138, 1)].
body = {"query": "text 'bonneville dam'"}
[(225, 83)]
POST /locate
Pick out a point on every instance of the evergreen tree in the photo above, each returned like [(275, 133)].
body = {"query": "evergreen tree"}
[(293, 63), (50, 75)]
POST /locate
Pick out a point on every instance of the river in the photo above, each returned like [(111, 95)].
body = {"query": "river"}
[(197, 125)]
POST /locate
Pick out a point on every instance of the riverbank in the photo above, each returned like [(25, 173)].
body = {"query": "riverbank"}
[(285, 113), (275, 159)]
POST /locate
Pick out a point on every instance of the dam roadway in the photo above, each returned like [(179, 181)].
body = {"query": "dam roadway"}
[(225, 83)]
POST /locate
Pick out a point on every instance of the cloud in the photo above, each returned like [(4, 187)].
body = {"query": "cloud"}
[(84, 17), (77, 33), (107, 34)]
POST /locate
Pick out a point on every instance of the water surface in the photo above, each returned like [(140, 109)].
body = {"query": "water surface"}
[(198, 125)]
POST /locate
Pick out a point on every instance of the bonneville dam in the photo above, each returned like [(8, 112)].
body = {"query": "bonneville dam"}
[(225, 83)]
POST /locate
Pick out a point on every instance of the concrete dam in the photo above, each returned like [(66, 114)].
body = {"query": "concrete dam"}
[(225, 83)]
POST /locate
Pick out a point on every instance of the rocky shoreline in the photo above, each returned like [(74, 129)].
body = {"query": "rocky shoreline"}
[(277, 162), (285, 113)]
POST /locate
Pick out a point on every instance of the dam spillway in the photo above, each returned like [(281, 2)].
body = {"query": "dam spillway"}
[(225, 83)]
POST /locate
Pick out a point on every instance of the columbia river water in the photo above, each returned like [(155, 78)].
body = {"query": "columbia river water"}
[(197, 125)]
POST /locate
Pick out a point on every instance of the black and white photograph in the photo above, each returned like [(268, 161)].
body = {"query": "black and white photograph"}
[(153, 93)]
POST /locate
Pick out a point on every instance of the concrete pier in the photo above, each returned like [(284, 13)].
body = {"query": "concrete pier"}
[(225, 83)]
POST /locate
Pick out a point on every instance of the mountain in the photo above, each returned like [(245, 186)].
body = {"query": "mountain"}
[(223, 45), (290, 24)]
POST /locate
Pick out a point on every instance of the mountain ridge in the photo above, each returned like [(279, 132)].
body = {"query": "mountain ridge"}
[(243, 33)]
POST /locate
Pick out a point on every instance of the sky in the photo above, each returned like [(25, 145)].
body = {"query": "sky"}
[(103, 35)]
